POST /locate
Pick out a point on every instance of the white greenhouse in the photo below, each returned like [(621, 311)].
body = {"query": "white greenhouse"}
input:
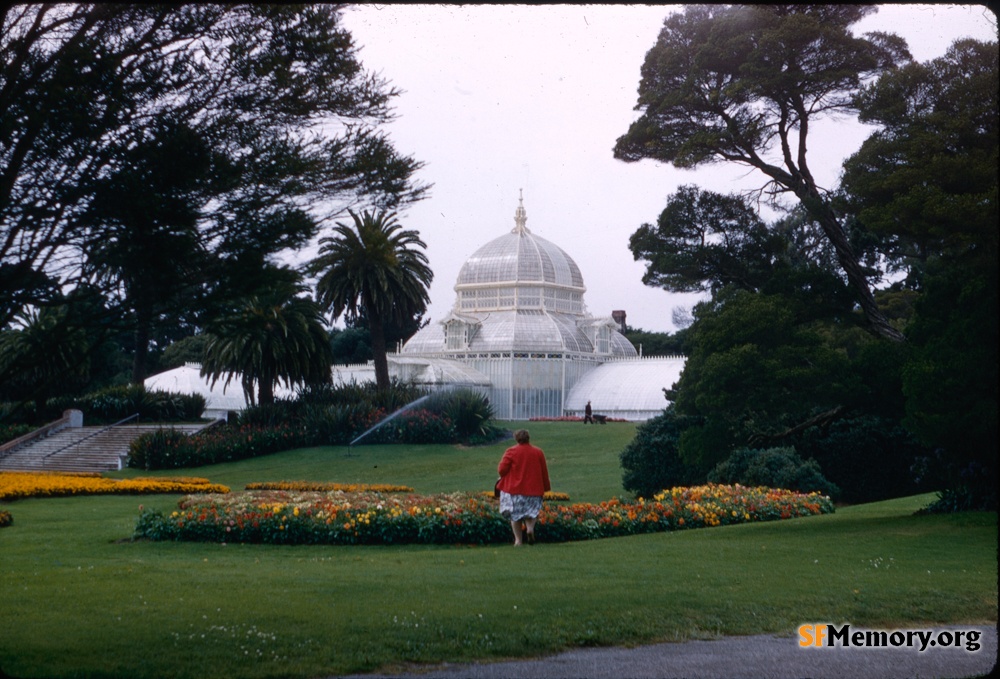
[(520, 333)]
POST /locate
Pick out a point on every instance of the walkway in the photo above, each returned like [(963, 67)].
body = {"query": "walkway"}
[(755, 657)]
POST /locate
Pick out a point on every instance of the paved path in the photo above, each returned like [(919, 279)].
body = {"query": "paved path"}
[(755, 657)]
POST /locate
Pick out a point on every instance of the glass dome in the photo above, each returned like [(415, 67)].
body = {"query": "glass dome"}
[(520, 270)]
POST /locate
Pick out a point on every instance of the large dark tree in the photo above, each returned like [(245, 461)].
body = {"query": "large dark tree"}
[(275, 93), (703, 241), (927, 183), (145, 246), (742, 84)]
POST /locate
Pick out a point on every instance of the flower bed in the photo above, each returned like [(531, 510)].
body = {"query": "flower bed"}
[(18, 485), (282, 517), (327, 487)]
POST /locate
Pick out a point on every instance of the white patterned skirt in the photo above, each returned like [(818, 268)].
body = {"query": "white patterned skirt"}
[(517, 507)]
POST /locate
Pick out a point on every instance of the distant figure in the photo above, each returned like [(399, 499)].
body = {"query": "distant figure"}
[(524, 479), (588, 414)]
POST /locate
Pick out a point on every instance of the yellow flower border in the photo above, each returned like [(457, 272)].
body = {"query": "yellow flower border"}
[(22, 485)]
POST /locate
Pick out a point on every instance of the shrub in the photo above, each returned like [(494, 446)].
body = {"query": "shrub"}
[(869, 458), (773, 467), (651, 461), (470, 411), (420, 425), (9, 432), (170, 449), (337, 425), (162, 449), (282, 411)]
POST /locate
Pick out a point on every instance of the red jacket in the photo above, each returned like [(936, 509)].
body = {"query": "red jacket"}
[(523, 471)]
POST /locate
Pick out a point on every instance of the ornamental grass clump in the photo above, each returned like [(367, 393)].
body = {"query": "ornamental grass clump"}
[(366, 517), (20, 485)]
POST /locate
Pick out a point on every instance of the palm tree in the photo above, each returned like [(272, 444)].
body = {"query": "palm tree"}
[(371, 267), (47, 355), (275, 336)]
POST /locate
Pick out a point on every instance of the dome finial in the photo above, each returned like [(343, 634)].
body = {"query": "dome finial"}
[(520, 216)]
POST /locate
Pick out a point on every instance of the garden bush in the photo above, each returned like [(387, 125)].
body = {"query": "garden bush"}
[(421, 425), (773, 467), (470, 412), (869, 458), (9, 432), (170, 449), (337, 425), (651, 461)]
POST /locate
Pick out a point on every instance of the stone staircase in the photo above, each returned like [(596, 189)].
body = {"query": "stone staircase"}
[(83, 449)]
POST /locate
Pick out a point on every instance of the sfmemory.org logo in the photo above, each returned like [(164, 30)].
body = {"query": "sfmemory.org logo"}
[(830, 636)]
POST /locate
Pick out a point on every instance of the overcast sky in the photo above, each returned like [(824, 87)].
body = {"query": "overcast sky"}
[(502, 98)]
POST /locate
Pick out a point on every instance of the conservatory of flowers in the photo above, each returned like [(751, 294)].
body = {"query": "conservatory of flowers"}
[(520, 333)]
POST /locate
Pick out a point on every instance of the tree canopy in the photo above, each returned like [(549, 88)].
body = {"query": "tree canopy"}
[(373, 267), (164, 154), (743, 83), (277, 336)]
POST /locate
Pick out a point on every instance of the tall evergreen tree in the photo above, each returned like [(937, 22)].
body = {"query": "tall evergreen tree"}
[(742, 84)]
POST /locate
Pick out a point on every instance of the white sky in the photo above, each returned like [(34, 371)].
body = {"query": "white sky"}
[(498, 98)]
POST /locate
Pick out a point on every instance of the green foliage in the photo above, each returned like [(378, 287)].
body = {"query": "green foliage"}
[(170, 449), (228, 137), (45, 356), (926, 180), (9, 432), (774, 468), (756, 369), (376, 268), (869, 457), (470, 413), (116, 403), (710, 92), (276, 336), (651, 461), (338, 425), (421, 425), (704, 241), (324, 415), (659, 343), (189, 349)]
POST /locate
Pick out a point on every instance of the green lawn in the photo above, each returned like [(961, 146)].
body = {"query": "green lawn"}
[(80, 599)]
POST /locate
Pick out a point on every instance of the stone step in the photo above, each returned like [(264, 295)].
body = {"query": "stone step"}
[(83, 448)]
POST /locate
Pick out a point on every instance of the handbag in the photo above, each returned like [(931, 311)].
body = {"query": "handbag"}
[(496, 487)]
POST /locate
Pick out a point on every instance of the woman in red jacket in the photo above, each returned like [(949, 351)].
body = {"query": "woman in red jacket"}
[(524, 479)]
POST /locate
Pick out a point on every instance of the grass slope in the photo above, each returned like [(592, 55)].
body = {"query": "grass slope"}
[(82, 600)]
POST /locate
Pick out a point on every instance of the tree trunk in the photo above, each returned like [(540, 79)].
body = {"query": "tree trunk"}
[(821, 211), (377, 330), (265, 391), (141, 337)]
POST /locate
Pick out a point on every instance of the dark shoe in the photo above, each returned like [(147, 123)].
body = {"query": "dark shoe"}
[(531, 538)]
